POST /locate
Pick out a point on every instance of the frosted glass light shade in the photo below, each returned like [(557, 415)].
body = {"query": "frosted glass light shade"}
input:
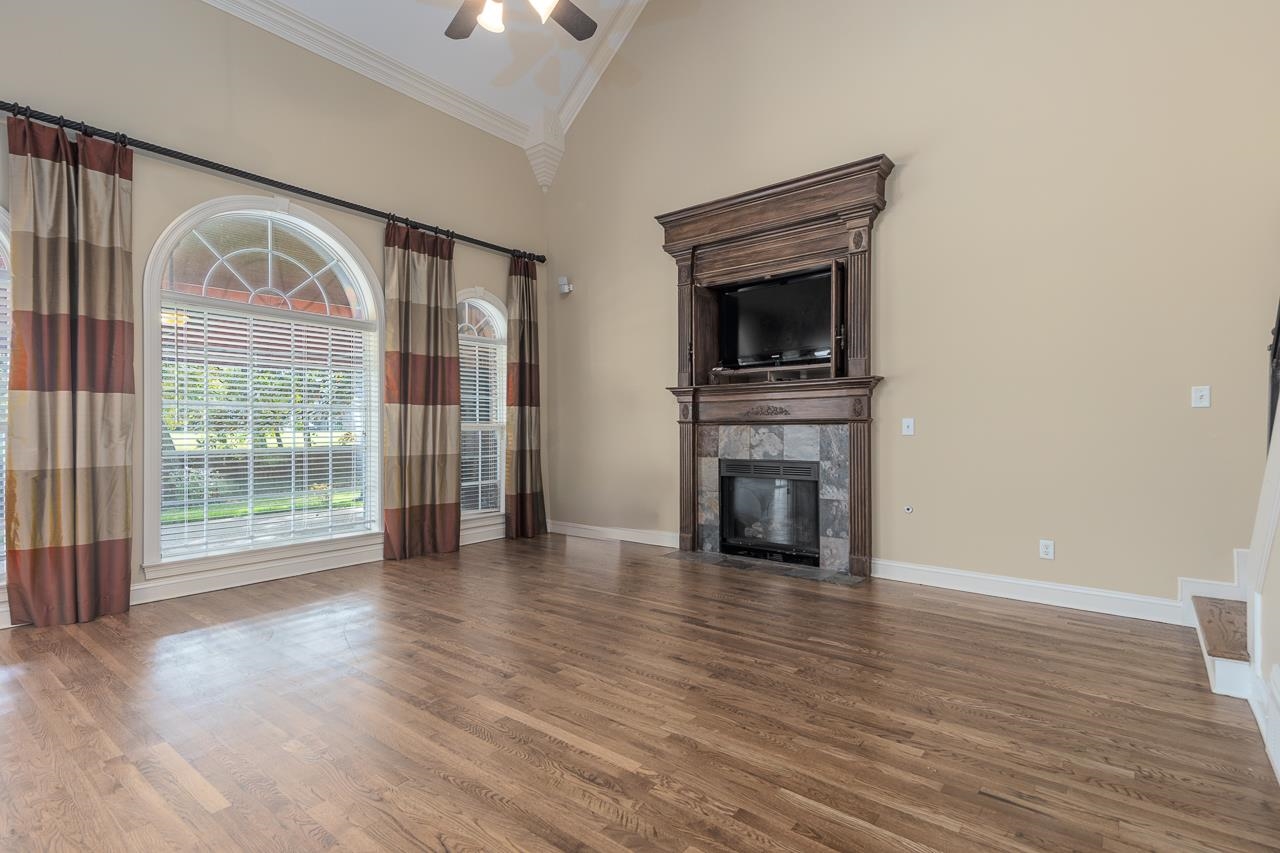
[(491, 17)]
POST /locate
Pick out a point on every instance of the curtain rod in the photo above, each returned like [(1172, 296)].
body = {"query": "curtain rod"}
[(222, 168)]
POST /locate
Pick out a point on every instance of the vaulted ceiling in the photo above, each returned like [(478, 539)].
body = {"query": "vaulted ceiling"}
[(525, 85)]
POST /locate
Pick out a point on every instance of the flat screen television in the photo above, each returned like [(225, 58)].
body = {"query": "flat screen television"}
[(782, 321)]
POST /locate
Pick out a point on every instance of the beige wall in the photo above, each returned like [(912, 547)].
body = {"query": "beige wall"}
[(1083, 224), (183, 74)]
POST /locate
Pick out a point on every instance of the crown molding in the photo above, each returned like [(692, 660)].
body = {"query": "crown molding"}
[(282, 21), (543, 142), (611, 39)]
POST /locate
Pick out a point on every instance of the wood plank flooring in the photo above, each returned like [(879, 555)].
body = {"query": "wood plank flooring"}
[(571, 694), (1225, 626)]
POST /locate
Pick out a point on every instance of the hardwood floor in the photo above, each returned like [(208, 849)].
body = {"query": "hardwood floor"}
[(570, 694)]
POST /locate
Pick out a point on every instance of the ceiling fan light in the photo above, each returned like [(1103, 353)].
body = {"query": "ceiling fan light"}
[(491, 17), (544, 8)]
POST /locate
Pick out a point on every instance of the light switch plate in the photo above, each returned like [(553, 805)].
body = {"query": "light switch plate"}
[(908, 426), (1200, 397)]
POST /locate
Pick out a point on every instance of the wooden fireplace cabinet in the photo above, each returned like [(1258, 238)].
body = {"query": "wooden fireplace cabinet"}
[(823, 220)]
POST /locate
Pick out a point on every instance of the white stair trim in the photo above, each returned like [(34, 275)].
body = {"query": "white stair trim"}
[(1264, 700)]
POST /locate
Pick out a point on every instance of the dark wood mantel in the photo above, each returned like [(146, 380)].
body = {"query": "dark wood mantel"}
[(825, 218)]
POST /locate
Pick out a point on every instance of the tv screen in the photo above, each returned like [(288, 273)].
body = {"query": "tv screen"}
[(777, 322)]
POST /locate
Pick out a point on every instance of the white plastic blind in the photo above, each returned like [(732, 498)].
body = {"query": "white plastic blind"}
[(269, 431), (482, 366)]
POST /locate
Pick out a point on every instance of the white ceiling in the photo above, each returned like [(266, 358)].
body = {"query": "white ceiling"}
[(525, 85)]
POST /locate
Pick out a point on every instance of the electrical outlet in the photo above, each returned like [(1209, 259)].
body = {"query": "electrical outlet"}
[(1200, 396), (908, 426), (1046, 549)]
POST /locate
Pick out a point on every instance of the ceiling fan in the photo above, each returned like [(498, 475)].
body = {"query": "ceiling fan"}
[(488, 14)]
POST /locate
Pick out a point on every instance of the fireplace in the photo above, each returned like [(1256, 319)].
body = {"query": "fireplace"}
[(770, 510), (803, 396)]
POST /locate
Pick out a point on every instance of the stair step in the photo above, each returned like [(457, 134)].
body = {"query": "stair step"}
[(1223, 625)]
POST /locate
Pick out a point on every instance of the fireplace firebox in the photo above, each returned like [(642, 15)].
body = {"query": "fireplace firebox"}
[(769, 509)]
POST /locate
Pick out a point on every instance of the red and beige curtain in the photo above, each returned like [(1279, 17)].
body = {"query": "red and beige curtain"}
[(526, 510), (422, 424), (71, 394)]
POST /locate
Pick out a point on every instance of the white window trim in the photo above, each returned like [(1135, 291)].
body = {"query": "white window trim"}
[(484, 525), (308, 556)]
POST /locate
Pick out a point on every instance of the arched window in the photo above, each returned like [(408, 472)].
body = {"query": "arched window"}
[(269, 387), (6, 308), (482, 354)]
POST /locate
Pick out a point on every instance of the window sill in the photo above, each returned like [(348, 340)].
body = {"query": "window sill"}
[(304, 557)]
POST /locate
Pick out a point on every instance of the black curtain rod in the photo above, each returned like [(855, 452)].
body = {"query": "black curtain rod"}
[(222, 168)]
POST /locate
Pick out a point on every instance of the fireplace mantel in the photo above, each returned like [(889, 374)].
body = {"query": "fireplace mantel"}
[(809, 401), (817, 220)]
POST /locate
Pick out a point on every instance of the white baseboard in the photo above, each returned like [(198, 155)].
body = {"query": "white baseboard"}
[(1092, 599), (252, 571), (662, 538), (1041, 592), (483, 529), (1264, 699)]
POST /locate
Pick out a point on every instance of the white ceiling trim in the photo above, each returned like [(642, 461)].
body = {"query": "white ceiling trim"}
[(543, 143), (610, 41), (332, 45)]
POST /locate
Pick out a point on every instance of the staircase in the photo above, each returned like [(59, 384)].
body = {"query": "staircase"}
[(1222, 625)]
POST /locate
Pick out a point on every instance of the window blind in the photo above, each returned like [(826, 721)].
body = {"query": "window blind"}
[(269, 429), (482, 364)]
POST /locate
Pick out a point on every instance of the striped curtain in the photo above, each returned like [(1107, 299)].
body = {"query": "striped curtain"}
[(422, 422), (526, 509), (71, 395)]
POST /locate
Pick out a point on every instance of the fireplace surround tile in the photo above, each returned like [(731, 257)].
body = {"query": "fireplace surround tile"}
[(834, 554), (709, 538), (766, 442), (801, 443), (709, 474), (735, 442), (833, 518), (708, 440)]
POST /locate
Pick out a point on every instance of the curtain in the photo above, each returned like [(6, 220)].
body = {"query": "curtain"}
[(71, 394), (422, 421), (526, 510)]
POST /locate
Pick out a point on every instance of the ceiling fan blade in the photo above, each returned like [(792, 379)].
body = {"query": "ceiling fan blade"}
[(576, 22), (464, 23)]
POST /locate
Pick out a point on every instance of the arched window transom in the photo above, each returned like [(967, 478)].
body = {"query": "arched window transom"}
[(269, 372)]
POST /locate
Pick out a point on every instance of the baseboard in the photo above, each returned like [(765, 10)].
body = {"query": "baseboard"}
[(1092, 599), (1264, 699), (662, 538), (483, 529), (177, 586)]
